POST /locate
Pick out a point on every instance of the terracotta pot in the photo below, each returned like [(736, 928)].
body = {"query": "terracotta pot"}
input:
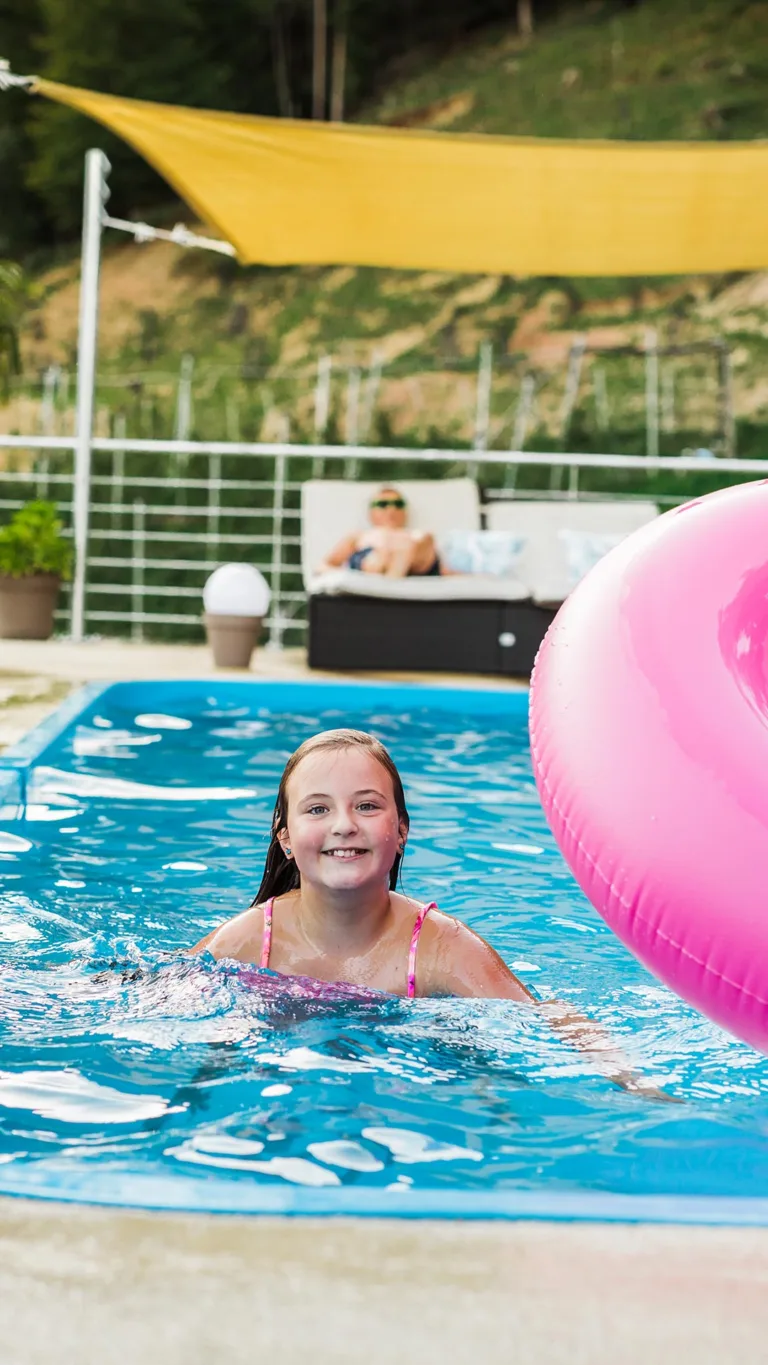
[(232, 638), (27, 606)]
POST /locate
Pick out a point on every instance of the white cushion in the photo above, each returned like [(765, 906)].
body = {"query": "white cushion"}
[(421, 588), (334, 508), (489, 552), (543, 564), (583, 549)]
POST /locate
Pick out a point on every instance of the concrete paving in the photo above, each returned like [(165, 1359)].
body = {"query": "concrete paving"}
[(35, 675), (82, 1286)]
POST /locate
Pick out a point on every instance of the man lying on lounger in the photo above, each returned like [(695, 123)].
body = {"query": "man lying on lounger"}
[(387, 545)]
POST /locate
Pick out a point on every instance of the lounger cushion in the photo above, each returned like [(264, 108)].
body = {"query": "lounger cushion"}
[(334, 508), (486, 552), (550, 528), (452, 588)]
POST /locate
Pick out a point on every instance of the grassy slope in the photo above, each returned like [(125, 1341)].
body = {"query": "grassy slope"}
[(669, 68)]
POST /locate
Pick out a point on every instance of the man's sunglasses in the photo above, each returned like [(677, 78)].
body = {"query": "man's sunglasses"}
[(389, 502)]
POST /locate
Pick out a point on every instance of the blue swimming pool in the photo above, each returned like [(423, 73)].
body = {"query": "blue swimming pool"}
[(137, 819)]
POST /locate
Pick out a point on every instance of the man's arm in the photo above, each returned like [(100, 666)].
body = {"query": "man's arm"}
[(339, 554)]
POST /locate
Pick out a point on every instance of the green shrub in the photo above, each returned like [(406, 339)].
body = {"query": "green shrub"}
[(32, 543)]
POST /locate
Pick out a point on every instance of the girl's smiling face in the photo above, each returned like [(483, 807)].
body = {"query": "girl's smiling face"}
[(343, 827)]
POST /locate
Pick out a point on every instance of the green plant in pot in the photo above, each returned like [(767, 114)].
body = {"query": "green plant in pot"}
[(34, 559)]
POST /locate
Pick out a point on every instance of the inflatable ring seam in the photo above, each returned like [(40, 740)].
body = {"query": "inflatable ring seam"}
[(616, 896)]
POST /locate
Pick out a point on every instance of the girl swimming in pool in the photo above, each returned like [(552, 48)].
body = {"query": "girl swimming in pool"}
[(328, 907)]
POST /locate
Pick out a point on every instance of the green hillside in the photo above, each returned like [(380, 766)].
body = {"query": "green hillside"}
[(404, 347)]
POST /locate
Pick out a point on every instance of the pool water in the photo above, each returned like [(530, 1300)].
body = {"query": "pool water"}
[(131, 1074)]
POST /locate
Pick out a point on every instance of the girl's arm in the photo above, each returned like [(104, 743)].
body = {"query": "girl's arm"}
[(461, 963)]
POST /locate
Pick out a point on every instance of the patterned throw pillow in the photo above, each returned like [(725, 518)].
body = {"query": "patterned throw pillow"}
[(583, 549), (491, 552)]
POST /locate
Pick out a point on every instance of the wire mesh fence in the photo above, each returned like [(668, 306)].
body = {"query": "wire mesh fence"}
[(164, 515), (641, 398)]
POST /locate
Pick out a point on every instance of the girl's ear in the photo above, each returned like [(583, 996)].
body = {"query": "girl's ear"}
[(403, 834), (284, 842)]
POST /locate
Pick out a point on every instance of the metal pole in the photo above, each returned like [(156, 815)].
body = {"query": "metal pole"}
[(727, 416), (523, 411), (651, 392), (97, 168), (276, 567), (353, 411), (214, 500), (118, 469), (322, 407), (483, 396), (137, 585)]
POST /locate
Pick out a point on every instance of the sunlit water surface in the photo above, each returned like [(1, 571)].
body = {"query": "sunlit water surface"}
[(129, 1073)]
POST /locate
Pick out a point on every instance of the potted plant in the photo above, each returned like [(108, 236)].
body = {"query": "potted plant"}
[(34, 558)]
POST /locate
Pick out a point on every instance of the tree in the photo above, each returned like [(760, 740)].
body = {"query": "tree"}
[(107, 46), (319, 45), (14, 296), (525, 17), (339, 64), (22, 219)]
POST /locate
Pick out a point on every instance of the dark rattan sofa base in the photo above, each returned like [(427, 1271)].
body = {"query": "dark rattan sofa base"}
[(442, 637)]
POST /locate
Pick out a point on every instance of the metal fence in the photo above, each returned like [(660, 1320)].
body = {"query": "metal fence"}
[(164, 514)]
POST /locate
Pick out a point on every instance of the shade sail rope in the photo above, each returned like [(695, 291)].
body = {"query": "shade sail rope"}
[(288, 192)]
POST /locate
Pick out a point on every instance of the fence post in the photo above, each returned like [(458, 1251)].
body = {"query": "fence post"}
[(651, 392), (276, 567), (182, 424), (352, 415), (322, 409), (97, 168), (370, 393), (214, 489), (600, 391), (137, 572), (118, 468), (572, 382), (482, 401), (523, 411), (727, 418)]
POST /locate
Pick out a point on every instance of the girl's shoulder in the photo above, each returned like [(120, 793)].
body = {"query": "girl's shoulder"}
[(238, 937), (436, 924)]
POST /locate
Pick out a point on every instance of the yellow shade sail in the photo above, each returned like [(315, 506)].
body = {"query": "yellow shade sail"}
[(284, 192)]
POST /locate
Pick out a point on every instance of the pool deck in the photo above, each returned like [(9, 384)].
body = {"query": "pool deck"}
[(110, 1286), (106, 1287), (35, 675)]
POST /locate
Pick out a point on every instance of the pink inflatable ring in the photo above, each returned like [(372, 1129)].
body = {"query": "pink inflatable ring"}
[(649, 733)]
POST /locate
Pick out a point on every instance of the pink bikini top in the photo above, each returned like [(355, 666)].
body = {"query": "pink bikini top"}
[(266, 942)]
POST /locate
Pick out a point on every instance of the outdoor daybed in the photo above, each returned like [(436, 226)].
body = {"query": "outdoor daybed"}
[(476, 622)]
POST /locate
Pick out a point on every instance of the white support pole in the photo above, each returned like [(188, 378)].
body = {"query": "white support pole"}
[(97, 168)]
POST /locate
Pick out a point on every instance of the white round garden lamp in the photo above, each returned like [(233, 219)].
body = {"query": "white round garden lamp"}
[(236, 599)]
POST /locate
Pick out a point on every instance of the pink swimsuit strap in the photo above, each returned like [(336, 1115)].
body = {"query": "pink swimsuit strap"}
[(266, 938), (266, 941), (415, 936)]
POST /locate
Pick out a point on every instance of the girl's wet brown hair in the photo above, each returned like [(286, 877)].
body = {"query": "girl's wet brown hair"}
[(280, 873)]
